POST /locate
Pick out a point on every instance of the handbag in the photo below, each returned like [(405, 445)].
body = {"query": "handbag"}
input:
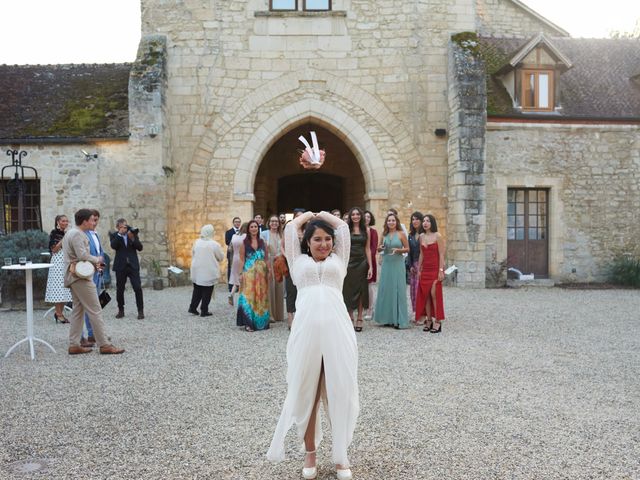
[(280, 268), (82, 269), (104, 298)]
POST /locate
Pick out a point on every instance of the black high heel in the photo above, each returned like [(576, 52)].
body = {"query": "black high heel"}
[(61, 320), (433, 330), (427, 327)]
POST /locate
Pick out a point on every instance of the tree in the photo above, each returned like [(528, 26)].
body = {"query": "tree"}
[(635, 33)]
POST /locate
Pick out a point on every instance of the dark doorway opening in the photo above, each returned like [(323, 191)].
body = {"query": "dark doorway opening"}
[(321, 191), (282, 184)]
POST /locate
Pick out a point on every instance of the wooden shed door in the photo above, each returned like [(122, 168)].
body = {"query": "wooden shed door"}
[(528, 230)]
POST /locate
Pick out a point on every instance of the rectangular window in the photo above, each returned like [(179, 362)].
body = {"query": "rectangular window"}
[(537, 90), (283, 5), (20, 205), (317, 5)]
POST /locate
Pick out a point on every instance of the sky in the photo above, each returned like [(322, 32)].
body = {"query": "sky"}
[(108, 31)]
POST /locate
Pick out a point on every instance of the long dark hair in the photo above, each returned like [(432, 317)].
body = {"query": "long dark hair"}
[(373, 219), (412, 230), (385, 232), (311, 228), (434, 224), (58, 217), (361, 224), (247, 239)]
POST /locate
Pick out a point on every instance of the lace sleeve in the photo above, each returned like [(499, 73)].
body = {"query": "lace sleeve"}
[(343, 243), (291, 243)]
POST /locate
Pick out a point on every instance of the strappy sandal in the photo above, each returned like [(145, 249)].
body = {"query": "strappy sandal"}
[(427, 326), (309, 473), (358, 327)]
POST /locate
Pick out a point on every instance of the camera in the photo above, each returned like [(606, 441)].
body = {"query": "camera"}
[(133, 230)]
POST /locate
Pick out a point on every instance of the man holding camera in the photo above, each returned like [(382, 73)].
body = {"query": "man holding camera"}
[(126, 244)]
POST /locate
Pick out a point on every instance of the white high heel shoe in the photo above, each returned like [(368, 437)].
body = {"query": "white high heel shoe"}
[(309, 473), (344, 474)]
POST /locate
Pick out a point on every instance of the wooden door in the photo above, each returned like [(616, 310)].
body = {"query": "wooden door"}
[(528, 230)]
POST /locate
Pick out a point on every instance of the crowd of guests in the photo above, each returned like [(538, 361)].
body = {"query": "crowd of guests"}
[(379, 269), (67, 286)]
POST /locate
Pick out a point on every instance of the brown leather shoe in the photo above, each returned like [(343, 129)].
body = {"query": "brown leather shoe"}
[(77, 350), (120, 313), (110, 350), (140, 315), (87, 342)]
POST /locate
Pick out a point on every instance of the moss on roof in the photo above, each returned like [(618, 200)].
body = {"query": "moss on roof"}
[(64, 101)]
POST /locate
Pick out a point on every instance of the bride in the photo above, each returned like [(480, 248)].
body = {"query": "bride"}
[(322, 354)]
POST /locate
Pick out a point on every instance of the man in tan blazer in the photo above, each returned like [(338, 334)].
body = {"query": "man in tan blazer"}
[(75, 246)]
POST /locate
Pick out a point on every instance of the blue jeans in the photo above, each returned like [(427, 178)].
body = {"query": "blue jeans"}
[(96, 282)]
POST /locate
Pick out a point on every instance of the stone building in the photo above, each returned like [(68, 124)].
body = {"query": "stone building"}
[(523, 142)]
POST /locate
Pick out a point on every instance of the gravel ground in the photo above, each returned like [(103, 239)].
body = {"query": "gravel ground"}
[(521, 384)]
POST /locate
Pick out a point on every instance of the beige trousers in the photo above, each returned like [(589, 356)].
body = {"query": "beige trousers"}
[(85, 300)]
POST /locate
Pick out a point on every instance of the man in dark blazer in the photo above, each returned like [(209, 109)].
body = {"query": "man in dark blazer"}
[(127, 245), (228, 235)]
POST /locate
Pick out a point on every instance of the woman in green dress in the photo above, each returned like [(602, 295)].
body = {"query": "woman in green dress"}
[(391, 304), (355, 289)]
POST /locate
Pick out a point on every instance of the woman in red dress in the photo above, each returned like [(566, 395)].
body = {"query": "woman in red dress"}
[(431, 273)]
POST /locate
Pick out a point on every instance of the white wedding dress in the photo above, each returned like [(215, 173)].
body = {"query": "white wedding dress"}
[(322, 333)]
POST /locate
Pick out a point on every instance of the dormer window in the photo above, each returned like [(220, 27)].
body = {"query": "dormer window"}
[(532, 76), (292, 5), (537, 89)]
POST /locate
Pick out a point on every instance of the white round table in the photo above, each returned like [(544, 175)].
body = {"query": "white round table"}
[(28, 268)]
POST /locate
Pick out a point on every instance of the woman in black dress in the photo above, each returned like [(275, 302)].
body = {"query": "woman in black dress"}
[(355, 290)]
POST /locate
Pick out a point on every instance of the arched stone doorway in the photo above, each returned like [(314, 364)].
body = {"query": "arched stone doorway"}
[(281, 184)]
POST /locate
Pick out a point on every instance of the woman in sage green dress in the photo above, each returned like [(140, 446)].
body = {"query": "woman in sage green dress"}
[(391, 303)]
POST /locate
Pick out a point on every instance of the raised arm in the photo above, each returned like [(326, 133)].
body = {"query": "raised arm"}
[(292, 235), (342, 246)]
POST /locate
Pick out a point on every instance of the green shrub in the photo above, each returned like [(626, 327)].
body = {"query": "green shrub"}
[(625, 270), (30, 244)]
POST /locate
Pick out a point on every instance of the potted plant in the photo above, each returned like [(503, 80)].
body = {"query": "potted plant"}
[(156, 274)]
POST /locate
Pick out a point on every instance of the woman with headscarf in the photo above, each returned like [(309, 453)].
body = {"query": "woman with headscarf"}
[(205, 270)]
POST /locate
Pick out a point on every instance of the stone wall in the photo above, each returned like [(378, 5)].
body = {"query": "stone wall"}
[(593, 173), (466, 215), (504, 18), (126, 179), (239, 77)]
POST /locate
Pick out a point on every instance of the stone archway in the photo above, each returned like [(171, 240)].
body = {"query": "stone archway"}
[(281, 184)]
